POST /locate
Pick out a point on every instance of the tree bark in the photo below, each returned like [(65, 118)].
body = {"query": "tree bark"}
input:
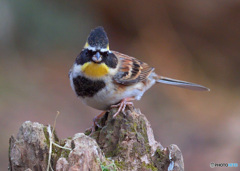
[(123, 143)]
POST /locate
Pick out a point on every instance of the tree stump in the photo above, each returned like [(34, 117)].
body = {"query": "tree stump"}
[(122, 143)]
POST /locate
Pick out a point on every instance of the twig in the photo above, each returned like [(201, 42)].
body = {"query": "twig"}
[(52, 142)]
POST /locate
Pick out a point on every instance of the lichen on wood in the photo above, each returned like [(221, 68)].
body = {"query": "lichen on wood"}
[(125, 142)]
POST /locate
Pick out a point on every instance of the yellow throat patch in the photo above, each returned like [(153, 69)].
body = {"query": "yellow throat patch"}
[(95, 70)]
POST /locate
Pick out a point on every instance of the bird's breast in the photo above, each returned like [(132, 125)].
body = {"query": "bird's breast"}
[(85, 87)]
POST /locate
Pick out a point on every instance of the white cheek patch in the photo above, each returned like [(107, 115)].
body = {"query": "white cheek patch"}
[(76, 70), (112, 71), (71, 81)]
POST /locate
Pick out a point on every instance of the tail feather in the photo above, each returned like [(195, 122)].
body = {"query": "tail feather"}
[(182, 84)]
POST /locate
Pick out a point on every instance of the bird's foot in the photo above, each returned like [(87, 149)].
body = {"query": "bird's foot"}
[(122, 105), (95, 122)]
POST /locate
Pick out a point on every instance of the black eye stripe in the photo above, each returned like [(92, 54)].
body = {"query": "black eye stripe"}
[(104, 54), (84, 56), (107, 57), (91, 52)]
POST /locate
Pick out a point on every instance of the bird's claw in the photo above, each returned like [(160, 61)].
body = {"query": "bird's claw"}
[(95, 123), (121, 106)]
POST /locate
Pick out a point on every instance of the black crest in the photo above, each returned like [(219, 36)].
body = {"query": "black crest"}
[(98, 38)]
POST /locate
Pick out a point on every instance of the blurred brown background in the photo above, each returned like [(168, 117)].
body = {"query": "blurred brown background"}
[(197, 41)]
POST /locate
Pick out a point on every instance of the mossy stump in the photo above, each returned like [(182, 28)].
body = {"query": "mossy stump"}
[(122, 143)]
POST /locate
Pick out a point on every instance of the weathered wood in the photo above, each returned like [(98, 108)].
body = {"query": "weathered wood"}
[(123, 143)]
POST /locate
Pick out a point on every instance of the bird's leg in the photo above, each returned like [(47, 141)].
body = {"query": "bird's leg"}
[(122, 105), (95, 119)]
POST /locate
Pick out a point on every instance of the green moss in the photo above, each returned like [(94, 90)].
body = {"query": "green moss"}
[(112, 153), (160, 159), (135, 147), (160, 155), (121, 148), (109, 134), (55, 136), (122, 135), (105, 167), (148, 148), (116, 151), (88, 132), (140, 137), (135, 126), (149, 166), (144, 133), (109, 154), (64, 153), (47, 141), (120, 164)]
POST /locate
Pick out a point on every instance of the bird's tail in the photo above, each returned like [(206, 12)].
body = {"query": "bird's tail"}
[(182, 84)]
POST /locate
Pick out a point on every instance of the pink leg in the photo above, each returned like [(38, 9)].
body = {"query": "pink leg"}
[(122, 105), (95, 119)]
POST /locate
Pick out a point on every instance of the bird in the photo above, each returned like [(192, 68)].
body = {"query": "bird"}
[(105, 79)]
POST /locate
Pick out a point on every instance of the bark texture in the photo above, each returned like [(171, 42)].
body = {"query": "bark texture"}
[(122, 143)]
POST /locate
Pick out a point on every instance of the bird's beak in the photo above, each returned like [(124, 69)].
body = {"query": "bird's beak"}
[(97, 57)]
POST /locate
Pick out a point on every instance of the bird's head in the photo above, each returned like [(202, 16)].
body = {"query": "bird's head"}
[(97, 44), (96, 60)]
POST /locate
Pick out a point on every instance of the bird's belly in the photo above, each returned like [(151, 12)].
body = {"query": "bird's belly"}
[(98, 104), (102, 100), (105, 98)]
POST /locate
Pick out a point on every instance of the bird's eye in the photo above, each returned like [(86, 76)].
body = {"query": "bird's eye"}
[(89, 53), (104, 54)]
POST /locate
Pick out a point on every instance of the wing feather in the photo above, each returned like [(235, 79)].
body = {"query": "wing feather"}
[(131, 70)]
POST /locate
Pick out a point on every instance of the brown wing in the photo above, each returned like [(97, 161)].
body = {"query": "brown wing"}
[(131, 70)]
